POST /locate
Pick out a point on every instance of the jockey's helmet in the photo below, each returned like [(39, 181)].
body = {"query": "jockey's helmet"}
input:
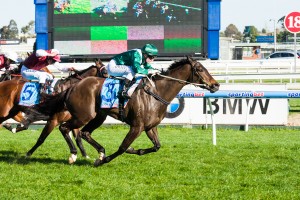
[(11, 55), (57, 58), (54, 54), (150, 50)]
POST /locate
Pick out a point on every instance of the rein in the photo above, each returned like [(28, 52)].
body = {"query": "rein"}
[(181, 81), (157, 97)]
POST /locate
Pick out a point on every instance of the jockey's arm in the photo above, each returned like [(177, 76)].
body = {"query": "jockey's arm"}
[(45, 69), (62, 68), (137, 64)]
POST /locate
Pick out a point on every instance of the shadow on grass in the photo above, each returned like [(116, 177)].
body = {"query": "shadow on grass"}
[(13, 157)]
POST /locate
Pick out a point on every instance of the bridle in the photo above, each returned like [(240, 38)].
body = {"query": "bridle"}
[(194, 72)]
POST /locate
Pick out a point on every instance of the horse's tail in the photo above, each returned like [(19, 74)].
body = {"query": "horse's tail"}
[(45, 110)]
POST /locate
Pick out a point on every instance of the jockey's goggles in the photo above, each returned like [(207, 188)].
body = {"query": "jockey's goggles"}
[(151, 57)]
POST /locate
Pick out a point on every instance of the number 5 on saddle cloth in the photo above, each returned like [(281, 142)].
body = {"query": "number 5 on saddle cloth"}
[(30, 93)]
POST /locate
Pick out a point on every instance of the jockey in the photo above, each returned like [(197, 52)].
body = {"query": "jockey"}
[(32, 68), (128, 63), (6, 60)]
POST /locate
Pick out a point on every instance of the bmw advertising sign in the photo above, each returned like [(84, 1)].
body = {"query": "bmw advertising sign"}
[(175, 108)]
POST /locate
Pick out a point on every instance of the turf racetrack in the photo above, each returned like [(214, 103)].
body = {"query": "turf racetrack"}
[(260, 164)]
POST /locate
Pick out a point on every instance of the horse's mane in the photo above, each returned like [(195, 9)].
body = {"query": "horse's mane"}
[(175, 64), (80, 72), (178, 63), (84, 70)]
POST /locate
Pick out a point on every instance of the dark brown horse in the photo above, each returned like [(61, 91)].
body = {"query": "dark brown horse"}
[(10, 108), (143, 112)]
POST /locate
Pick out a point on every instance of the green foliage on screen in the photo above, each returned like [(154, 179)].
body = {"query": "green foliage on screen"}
[(109, 32)]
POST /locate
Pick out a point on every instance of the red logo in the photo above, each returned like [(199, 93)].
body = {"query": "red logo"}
[(258, 94), (292, 22)]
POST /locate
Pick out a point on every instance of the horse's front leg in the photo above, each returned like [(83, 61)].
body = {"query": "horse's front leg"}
[(133, 133), (65, 129), (77, 136), (153, 136)]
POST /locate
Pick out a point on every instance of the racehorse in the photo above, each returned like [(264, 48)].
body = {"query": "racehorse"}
[(143, 112), (10, 95), (14, 74)]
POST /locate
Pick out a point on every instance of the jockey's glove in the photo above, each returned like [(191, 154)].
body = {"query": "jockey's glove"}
[(153, 71)]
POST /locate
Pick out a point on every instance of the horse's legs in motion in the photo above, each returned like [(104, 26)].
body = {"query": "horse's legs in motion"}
[(133, 133), (87, 130), (153, 136), (17, 116), (65, 129), (76, 134), (46, 131)]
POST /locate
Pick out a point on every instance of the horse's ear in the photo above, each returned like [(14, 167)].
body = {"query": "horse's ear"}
[(99, 62), (191, 60)]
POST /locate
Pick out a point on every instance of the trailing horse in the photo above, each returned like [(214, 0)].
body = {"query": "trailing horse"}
[(12, 74), (9, 102), (143, 112)]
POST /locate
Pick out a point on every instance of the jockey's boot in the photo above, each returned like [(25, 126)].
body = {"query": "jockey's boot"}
[(124, 93)]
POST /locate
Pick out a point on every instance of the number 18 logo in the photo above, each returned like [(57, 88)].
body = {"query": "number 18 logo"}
[(292, 22)]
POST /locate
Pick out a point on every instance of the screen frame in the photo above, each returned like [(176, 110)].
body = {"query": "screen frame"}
[(162, 56)]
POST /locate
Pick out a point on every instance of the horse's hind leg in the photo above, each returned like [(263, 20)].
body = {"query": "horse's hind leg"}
[(17, 116), (87, 130), (46, 131), (153, 136), (133, 133)]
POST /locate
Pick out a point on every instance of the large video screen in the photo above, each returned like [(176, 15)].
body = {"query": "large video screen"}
[(109, 27)]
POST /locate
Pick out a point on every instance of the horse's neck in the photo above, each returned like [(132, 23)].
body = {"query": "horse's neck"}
[(168, 88)]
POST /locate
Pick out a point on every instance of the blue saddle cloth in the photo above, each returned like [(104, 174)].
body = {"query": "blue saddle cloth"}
[(109, 93), (110, 89), (30, 94)]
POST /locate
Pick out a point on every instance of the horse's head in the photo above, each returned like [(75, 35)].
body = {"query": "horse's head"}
[(102, 70), (200, 75)]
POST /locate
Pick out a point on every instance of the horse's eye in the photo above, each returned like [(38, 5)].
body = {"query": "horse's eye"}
[(200, 69)]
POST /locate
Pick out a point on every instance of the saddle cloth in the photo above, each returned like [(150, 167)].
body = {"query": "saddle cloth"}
[(110, 90), (30, 94)]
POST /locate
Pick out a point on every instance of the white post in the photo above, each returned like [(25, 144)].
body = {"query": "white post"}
[(247, 115), (214, 133), (275, 38), (275, 45), (295, 49)]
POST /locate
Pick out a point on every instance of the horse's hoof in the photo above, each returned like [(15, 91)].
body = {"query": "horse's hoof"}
[(27, 156), (72, 159), (7, 126), (130, 150), (87, 157), (98, 162), (14, 130)]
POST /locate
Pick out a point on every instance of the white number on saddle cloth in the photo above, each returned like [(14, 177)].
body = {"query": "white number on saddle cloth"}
[(30, 94)]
